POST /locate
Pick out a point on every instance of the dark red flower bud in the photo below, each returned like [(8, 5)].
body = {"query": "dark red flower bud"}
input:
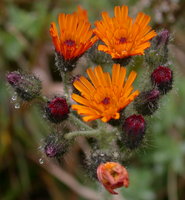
[(112, 175), (162, 78), (26, 85), (133, 131), (57, 109), (147, 102), (162, 38), (55, 145)]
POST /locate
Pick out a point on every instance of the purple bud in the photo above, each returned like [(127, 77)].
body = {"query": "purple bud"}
[(162, 38), (26, 85), (57, 109), (13, 78), (147, 102), (55, 145), (133, 131)]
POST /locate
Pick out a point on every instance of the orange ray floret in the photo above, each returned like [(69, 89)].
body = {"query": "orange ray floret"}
[(104, 96), (122, 35), (75, 34)]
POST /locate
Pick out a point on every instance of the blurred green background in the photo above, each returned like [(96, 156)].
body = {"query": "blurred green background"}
[(156, 172)]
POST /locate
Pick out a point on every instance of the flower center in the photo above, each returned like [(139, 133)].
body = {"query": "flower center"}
[(69, 43), (106, 100), (122, 40)]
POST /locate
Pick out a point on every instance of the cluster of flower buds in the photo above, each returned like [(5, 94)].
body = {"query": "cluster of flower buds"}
[(27, 86), (102, 97)]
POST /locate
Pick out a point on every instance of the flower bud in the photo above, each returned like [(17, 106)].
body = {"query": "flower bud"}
[(157, 54), (27, 86), (147, 102), (133, 131), (162, 78), (55, 145), (112, 175), (57, 109), (98, 57), (162, 38)]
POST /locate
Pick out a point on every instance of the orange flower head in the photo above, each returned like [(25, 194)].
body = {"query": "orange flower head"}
[(75, 34), (104, 96), (112, 175), (122, 35)]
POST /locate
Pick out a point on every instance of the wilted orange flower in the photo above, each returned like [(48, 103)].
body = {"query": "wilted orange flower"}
[(75, 34), (105, 96), (122, 35), (112, 175)]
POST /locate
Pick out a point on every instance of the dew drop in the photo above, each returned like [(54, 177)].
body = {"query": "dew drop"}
[(41, 161), (17, 106), (14, 97)]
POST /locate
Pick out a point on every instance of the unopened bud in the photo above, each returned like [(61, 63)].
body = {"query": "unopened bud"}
[(133, 131), (57, 109), (55, 146), (147, 102), (27, 86), (98, 57), (162, 78), (112, 175), (157, 54), (162, 38)]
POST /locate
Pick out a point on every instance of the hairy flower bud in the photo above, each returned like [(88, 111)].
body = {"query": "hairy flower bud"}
[(27, 86), (147, 102), (157, 54), (55, 145), (57, 109), (112, 175), (98, 57), (162, 78), (162, 38), (133, 131)]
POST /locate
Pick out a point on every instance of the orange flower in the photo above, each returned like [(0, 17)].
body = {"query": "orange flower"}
[(123, 36), (112, 175), (104, 97), (75, 34)]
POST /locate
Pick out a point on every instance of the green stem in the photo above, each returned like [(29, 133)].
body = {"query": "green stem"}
[(89, 133), (65, 77), (78, 122)]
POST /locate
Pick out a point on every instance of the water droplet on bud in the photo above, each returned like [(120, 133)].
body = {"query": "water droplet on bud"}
[(41, 161), (17, 106)]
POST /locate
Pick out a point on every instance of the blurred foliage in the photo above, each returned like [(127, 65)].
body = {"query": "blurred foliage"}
[(156, 171)]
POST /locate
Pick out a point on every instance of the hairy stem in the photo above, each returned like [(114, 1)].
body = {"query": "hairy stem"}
[(75, 120)]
